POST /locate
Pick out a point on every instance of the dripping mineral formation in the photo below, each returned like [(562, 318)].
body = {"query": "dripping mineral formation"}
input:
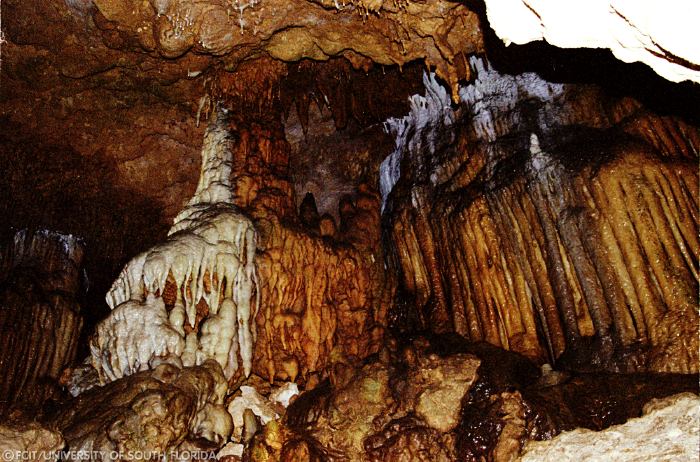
[(210, 256), (569, 236), (358, 230)]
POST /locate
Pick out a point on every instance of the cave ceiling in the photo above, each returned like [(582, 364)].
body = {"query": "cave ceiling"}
[(167, 49), (143, 74)]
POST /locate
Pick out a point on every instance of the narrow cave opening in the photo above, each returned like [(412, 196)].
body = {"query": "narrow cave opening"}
[(367, 231)]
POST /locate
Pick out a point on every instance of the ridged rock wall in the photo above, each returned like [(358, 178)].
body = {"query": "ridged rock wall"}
[(549, 221), (40, 280), (324, 293), (242, 275)]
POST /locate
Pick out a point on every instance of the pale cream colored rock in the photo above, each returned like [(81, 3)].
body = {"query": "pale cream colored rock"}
[(284, 394), (31, 442), (440, 384), (231, 450), (210, 255), (147, 412), (258, 404), (669, 430)]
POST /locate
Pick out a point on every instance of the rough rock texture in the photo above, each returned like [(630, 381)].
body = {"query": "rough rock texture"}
[(668, 431), (660, 35), (439, 32), (210, 255), (547, 218), (384, 410), (41, 280), (148, 413), (322, 299), (29, 442)]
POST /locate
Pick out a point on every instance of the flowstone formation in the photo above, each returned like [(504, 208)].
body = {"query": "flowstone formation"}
[(547, 219), (41, 280), (287, 310), (210, 257)]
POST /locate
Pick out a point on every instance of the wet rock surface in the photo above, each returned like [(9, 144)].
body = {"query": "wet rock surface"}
[(549, 221), (146, 415), (491, 403), (384, 410)]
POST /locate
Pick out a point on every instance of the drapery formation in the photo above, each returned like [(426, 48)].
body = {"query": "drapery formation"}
[(551, 228)]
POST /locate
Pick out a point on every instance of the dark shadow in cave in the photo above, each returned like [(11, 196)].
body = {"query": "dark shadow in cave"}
[(54, 187), (592, 66)]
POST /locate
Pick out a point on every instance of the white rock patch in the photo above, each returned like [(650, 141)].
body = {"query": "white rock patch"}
[(210, 253), (669, 431)]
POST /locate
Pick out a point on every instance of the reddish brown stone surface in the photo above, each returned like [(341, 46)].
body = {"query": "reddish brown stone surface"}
[(581, 241)]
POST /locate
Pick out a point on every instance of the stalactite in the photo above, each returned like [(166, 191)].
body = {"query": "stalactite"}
[(549, 247), (210, 255)]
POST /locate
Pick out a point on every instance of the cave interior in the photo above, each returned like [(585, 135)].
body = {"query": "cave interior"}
[(359, 230)]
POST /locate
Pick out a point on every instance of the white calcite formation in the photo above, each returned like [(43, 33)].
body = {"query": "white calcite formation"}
[(210, 255), (663, 35), (416, 132), (491, 102), (250, 399), (669, 430), (265, 409), (492, 98)]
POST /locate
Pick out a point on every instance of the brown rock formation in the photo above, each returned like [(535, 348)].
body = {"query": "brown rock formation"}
[(579, 240), (146, 415), (41, 274), (29, 441), (322, 300), (384, 410), (440, 32)]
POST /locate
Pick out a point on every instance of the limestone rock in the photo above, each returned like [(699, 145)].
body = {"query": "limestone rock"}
[(251, 400), (526, 202), (41, 280), (381, 411), (668, 430), (29, 442), (150, 412)]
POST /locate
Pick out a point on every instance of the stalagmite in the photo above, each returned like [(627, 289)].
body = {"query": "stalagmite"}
[(210, 256)]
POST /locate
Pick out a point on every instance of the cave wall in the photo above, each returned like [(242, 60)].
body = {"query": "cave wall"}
[(548, 219), (324, 298), (41, 282)]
